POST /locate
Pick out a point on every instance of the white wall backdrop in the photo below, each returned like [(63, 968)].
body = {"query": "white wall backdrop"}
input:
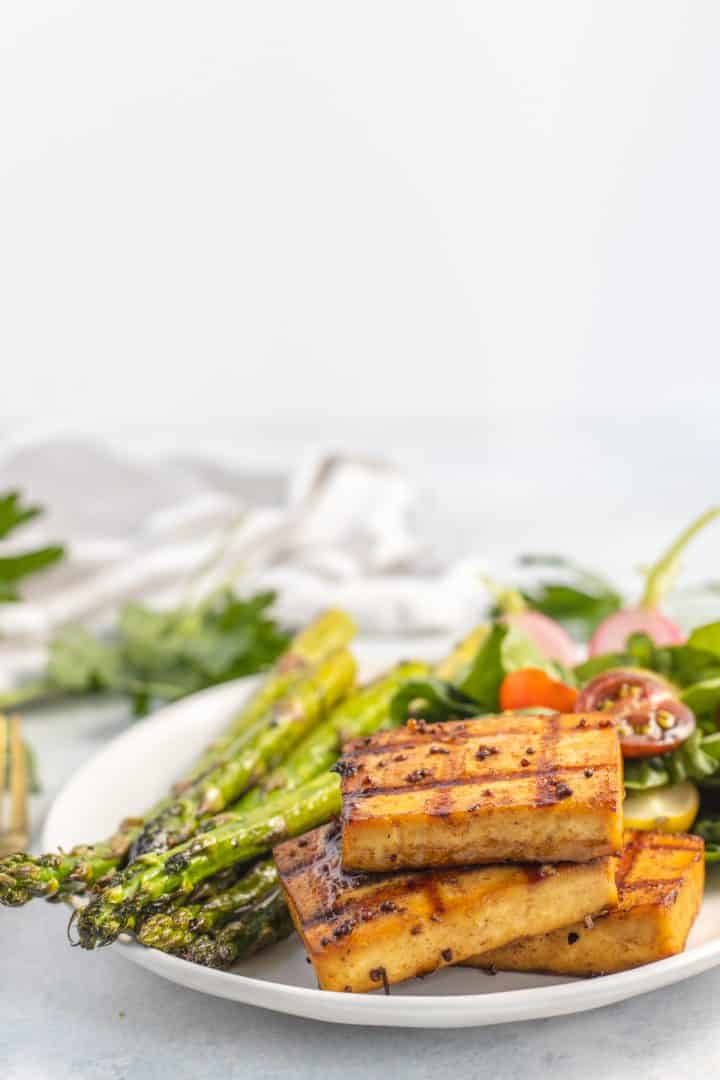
[(225, 211), (478, 238)]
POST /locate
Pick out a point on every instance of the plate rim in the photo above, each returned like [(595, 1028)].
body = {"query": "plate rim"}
[(397, 1010)]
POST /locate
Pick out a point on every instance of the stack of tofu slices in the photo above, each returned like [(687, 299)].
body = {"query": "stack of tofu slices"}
[(496, 842)]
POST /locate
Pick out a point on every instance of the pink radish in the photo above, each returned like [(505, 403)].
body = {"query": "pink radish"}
[(613, 632), (548, 636)]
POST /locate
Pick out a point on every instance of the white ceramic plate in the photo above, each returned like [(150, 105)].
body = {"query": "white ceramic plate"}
[(138, 767)]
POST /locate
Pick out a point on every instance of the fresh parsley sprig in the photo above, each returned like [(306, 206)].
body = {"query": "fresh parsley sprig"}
[(13, 568), (161, 655)]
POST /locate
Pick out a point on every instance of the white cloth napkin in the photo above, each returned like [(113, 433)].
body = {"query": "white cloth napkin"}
[(341, 531)]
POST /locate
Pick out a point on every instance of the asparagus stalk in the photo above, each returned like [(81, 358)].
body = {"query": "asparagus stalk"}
[(351, 721), (291, 719), (330, 631), (175, 931), (148, 884), (262, 925), (56, 876), (354, 718), (25, 877), (210, 888), (360, 714)]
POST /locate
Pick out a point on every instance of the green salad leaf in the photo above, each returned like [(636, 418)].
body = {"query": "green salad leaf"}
[(645, 773), (503, 649), (482, 680), (579, 603), (706, 638), (433, 699), (698, 759), (704, 700), (709, 829), (694, 668)]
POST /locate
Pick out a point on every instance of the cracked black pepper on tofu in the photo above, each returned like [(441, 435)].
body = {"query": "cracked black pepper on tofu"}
[(365, 930), (531, 789)]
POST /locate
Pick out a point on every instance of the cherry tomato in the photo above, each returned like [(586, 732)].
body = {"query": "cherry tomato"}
[(531, 688), (649, 717)]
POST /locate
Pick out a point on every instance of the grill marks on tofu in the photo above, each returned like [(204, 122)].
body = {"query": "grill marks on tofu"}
[(531, 788), (660, 879), (655, 868), (364, 931)]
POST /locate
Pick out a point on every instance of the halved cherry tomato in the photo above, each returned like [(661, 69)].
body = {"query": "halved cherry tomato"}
[(531, 688), (649, 717)]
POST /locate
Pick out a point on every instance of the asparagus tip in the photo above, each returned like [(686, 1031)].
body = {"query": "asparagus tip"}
[(23, 877), (167, 931), (99, 925)]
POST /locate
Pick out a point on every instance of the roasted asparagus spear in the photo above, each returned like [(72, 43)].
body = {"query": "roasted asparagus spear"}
[(154, 879), (243, 765), (59, 875)]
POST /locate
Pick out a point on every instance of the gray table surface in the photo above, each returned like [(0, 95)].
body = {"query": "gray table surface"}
[(67, 1013)]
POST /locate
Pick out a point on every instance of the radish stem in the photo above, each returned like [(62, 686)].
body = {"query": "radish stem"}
[(662, 574)]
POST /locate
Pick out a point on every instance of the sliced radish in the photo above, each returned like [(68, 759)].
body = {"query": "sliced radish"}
[(613, 632), (547, 635)]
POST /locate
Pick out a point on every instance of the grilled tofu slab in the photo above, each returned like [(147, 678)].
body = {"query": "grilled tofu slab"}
[(364, 931), (519, 788), (660, 885)]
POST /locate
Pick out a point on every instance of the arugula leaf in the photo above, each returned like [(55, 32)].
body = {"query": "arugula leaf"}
[(644, 773), (503, 649), (596, 665), (706, 638), (519, 652), (691, 760), (579, 604), (694, 668), (684, 665), (15, 567), (432, 699), (703, 698), (698, 759), (486, 672), (709, 829)]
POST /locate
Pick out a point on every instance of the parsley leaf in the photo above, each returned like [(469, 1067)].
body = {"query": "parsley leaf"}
[(13, 568), (163, 655)]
